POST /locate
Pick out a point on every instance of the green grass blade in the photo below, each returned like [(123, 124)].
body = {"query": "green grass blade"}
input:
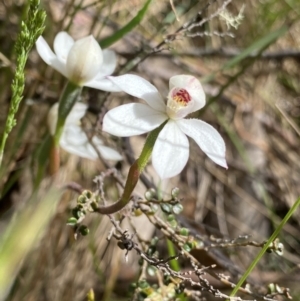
[(42, 158), (127, 28), (24, 231), (256, 47), (266, 246)]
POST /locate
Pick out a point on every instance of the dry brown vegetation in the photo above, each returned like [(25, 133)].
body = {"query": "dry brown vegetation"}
[(255, 105)]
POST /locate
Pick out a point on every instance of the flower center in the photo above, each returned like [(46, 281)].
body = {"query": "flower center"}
[(179, 101), (181, 97)]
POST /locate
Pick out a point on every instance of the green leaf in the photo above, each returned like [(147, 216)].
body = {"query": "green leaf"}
[(127, 28), (41, 158), (251, 52), (256, 47), (24, 231), (265, 247)]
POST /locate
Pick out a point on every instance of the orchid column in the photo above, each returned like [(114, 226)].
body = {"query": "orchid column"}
[(85, 64)]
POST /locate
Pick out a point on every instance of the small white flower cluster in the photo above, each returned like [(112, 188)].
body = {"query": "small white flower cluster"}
[(85, 64)]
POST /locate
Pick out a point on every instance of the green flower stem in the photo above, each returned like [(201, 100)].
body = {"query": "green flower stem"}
[(264, 249), (66, 102), (134, 173), (31, 29)]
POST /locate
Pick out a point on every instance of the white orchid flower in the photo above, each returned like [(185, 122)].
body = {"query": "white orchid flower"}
[(74, 140), (171, 150), (83, 62)]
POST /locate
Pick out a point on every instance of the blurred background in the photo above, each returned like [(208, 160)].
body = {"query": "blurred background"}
[(247, 57)]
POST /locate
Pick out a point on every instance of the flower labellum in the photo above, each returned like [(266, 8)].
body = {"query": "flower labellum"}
[(178, 98), (74, 140), (83, 62), (171, 150)]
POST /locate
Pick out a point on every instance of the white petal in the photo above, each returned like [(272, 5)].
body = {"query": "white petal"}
[(106, 152), (75, 141), (103, 84), (207, 138), (91, 152), (77, 112), (193, 86), (84, 60), (109, 63), (83, 151), (141, 88), (44, 51), (49, 57), (171, 151), (62, 45), (73, 135), (76, 150), (132, 119)]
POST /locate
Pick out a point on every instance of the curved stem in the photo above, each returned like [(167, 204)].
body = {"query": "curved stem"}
[(134, 173), (132, 179)]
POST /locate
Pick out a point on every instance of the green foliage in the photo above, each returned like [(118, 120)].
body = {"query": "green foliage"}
[(41, 158), (127, 28), (251, 52), (266, 247), (272, 12), (31, 29), (23, 232), (257, 47), (258, 34)]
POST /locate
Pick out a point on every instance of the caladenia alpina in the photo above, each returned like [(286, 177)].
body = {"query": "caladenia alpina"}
[(171, 149), (74, 140), (167, 141), (84, 63)]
